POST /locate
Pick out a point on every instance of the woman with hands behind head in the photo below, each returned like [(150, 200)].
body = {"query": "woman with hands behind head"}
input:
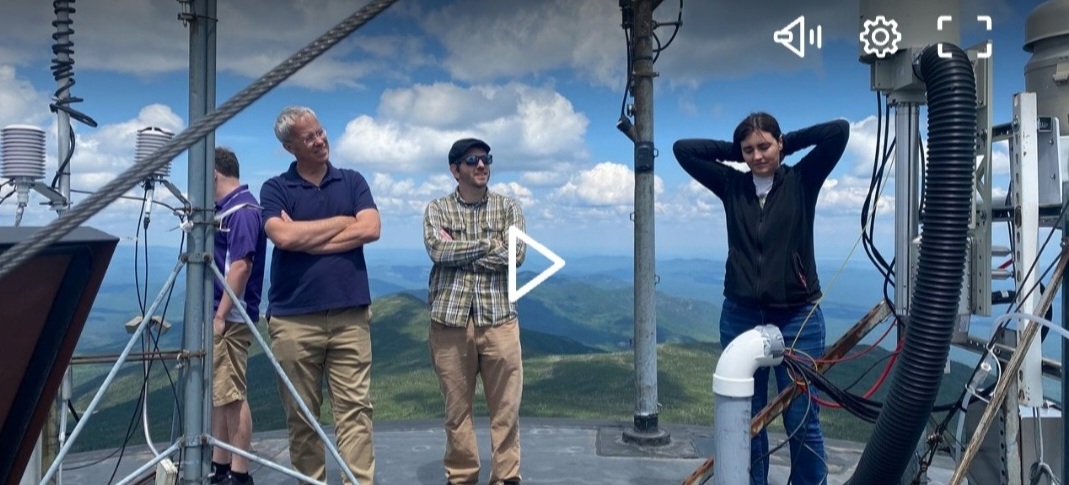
[(771, 276)]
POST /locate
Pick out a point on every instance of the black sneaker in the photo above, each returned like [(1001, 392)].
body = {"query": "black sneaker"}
[(511, 482), (230, 480)]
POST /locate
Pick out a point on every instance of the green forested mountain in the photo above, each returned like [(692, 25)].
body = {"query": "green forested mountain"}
[(563, 376)]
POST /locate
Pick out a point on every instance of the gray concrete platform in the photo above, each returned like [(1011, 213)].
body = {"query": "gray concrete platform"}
[(555, 451)]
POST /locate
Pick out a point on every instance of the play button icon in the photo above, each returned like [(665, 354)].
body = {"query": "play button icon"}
[(558, 263)]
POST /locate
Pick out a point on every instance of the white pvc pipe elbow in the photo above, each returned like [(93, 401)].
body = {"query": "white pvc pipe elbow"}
[(761, 346)]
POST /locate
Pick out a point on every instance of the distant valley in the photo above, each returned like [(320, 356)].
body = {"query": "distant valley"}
[(589, 301), (576, 335)]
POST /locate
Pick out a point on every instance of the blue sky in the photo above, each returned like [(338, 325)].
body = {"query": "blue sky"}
[(540, 80)]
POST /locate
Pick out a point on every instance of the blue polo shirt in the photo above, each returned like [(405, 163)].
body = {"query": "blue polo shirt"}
[(241, 235), (304, 283)]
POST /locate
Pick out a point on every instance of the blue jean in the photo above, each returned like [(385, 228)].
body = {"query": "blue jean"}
[(801, 419)]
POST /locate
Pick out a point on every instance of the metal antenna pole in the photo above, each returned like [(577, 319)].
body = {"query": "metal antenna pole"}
[(645, 431), (1065, 346), (63, 151), (63, 118), (198, 279)]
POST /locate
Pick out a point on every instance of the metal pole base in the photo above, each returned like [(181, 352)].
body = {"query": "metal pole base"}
[(646, 433)]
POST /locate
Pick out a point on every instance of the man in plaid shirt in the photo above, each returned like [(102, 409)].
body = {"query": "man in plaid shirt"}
[(474, 329)]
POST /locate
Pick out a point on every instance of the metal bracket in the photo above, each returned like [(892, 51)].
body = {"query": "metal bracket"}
[(1024, 172), (644, 155)]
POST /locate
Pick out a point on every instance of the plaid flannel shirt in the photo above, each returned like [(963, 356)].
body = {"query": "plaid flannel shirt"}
[(470, 273)]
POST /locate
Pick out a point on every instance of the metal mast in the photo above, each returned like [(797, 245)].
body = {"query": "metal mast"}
[(199, 285), (645, 430)]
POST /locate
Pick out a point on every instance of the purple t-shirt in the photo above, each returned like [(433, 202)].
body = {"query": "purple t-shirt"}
[(241, 236), (304, 283)]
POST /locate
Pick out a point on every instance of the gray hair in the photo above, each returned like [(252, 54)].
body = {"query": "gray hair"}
[(286, 119)]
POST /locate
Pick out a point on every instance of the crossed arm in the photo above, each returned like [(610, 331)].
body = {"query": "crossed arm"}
[(485, 255), (324, 236), (497, 259), (441, 246)]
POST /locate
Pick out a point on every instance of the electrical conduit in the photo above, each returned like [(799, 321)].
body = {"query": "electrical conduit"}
[(951, 95), (733, 386)]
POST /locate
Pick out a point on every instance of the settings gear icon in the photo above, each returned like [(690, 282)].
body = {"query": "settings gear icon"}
[(880, 36)]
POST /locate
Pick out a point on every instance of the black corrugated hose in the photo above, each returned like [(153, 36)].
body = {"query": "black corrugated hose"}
[(951, 95)]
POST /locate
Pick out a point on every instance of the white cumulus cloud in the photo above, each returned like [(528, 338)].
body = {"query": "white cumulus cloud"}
[(20, 102), (525, 126), (607, 185), (519, 38)]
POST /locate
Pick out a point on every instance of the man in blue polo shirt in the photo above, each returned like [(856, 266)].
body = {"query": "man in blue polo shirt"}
[(240, 250), (319, 218)]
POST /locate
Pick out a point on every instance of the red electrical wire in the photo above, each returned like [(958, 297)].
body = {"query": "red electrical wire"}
[(872, 390), (863, 352)]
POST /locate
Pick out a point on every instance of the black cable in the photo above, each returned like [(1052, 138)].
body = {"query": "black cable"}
[(143, 393), (871, 204), (63, 69), (154, 333), (870, 368), (869, 209), (627, 24), (861, 407), (876, 189), (1032, 267), (678, 23), (66, 160), (7, 196), (63, 73), (156, 341), (137, 242), (888, 153), (74, 412), (656, 50), (129, 429), (145, 282)]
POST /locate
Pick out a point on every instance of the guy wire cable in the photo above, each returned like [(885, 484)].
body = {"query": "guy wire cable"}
[(69, 220)]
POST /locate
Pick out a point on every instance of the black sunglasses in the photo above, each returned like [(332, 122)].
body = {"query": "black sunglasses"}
[(474, 160)]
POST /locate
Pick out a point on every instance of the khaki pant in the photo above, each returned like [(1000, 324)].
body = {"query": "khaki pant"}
[(337, 343), (230, 360), (458, 355)]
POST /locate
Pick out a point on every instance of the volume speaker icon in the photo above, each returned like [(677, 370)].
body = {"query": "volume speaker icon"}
[(792, 36)]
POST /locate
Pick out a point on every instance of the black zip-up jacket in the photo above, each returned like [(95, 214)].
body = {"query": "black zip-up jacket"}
[(770, 250)]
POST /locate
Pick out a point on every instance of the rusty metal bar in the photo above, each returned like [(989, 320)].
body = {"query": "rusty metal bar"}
[(133, 357), (1008, 375)]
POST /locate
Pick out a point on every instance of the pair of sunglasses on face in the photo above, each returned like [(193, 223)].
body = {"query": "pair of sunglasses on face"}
[(473, 160)]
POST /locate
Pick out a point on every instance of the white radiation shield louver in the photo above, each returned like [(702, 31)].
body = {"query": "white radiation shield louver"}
[(22, 160), (149, 140)]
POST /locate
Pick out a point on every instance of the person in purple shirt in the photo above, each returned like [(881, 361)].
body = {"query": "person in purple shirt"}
[(240, 249), (319, 218)]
